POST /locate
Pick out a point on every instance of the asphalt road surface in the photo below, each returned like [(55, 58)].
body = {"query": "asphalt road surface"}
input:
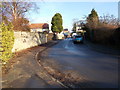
[(98, 68)]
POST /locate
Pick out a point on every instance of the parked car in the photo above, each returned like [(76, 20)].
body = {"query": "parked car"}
[(78, 39), (74, 34)]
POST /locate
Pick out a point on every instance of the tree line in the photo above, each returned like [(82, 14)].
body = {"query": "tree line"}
[(102, 29)]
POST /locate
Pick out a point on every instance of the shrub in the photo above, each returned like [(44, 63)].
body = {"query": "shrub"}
[(6, 42), (21, 24), (104, 32), (116, 37), (103, 35)]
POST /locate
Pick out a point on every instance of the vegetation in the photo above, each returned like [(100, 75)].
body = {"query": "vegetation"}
[(21, 24), (74, 27), (75, 20), (13, 18), (15, 11), (57, 23), (6, 41), (92, 19), (103, 29), (92, 23)]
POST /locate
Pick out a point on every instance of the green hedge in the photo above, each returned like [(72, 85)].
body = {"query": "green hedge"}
[(6, 42)]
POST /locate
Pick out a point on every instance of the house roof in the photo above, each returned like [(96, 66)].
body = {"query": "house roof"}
[(39, 25), (65, 29)]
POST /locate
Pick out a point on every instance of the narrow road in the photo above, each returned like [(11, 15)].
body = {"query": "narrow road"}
[(97, 68)]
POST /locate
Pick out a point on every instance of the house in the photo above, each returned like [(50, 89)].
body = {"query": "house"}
[(79, 25), (39, 27), (65, 32)]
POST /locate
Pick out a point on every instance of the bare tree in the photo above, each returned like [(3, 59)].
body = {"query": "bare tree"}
[(74, 21), (109, 20), (15, 10)]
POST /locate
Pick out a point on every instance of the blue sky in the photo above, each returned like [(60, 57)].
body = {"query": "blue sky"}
[(70, 11)]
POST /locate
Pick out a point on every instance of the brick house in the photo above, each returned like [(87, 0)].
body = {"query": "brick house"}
[(39, 27)]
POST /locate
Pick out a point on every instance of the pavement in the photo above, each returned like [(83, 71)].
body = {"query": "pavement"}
[(23, 71)]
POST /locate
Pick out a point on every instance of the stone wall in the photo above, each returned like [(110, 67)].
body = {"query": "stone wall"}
[(25, 40), (50, 36)]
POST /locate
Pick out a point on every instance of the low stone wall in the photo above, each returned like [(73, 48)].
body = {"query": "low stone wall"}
[(50, 36), (25, 40)]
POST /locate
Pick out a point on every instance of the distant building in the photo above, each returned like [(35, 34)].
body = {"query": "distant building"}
[(65, 32), (79, 25), (39, 27)]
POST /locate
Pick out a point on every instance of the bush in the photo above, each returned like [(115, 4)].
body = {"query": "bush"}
[(105, 32), (103, 35), (6, 42), (116, 36)]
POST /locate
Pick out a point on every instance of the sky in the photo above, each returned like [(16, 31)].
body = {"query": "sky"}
[(71, 11)]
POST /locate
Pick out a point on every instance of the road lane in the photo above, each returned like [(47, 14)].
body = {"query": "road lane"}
[(99, 68)]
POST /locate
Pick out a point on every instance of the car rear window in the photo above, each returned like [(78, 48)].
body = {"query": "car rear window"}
[(77, 36)]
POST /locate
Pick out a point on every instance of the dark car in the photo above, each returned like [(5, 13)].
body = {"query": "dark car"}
[(78, 39)]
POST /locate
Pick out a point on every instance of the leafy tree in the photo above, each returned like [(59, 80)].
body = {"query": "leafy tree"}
[(92, 23), (92, 19), (74, 27), (57, 23)]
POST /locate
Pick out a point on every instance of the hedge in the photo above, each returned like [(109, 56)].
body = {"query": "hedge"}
[(6, 42)]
